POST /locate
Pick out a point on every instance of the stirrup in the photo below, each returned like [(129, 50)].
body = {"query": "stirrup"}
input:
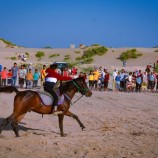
[(57, 112)]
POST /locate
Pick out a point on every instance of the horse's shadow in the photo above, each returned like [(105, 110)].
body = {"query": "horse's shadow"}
[(20, 127)]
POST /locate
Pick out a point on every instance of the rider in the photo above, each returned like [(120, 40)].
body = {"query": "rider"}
[(50, 80)]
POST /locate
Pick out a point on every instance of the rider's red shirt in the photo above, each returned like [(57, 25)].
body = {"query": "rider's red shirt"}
[(52, 73)]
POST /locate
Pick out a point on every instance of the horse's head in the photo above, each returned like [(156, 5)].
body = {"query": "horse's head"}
[(81, 86)]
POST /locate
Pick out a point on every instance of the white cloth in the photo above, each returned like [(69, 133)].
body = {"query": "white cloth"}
[(51, 79)]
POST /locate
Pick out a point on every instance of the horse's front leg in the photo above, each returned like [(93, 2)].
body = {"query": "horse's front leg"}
[(61, 118), (70, 114)]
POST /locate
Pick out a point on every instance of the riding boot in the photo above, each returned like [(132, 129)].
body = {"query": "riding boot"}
[(55, 111)]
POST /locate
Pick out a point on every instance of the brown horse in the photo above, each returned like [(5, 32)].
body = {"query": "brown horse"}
[(28, 100)]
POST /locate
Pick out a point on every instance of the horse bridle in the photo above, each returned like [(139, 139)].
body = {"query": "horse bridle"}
[(79, 88)]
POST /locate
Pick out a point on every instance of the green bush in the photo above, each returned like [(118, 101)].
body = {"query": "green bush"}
[(27, 54), (77, 52), (13, 58), (129, 54), (90, 52), (95, 44), (87, 69), (156, 68), (53, 55), (39, 54)]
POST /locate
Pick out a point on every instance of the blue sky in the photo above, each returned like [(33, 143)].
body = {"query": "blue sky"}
[(59, 23)]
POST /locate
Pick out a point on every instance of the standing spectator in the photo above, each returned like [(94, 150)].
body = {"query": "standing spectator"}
[(147, 69), (43, 74), (139, 81), (96, 76), (74, 71), (0, 74), (157, 83), (124, 63), (129, 82), (91, 80), (29, 79), (65, 72), (36, 76), (10, 75), (117, 79), (22, 75), (145, 81), (114, 81), (106, 80), (122, 80), (4, 76), (151, 79), (30, 67), (14, 72)]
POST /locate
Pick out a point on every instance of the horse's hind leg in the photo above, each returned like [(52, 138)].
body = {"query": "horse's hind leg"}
[(70, 114), (5, 122), (14, 127), (14, 124)]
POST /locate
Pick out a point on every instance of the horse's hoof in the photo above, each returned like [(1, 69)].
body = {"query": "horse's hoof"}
[(83, 128), (64, 135)]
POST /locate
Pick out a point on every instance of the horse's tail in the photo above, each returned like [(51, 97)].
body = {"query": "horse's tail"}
[(8, 89)]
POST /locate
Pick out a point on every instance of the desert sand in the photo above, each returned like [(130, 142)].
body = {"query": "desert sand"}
[(118, 125)]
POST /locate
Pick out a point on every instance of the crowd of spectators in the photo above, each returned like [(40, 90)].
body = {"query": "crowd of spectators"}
[(97, 79)]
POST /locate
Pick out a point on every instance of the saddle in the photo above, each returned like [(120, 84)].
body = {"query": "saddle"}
[(47, 99)]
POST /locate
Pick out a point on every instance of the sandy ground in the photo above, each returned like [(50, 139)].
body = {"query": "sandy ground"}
[(121, 125), (118, 125)]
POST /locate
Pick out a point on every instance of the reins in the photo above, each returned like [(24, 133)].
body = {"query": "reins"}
[(79, 89), (74, 101)]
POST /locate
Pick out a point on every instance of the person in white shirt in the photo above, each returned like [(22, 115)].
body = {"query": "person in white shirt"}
[(114, 81)]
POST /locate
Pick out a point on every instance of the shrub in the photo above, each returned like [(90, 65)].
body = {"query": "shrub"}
[(129, 54), (90, 52), (87, 69), (39, 54), (77, 52), (156, 50), (53, 55), (156, 68), (13, 58), (27, 54), (95, 44)]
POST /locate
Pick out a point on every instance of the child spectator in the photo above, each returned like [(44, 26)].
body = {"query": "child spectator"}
[(10, 75), (36, 76), (29, 79), (4, 76)]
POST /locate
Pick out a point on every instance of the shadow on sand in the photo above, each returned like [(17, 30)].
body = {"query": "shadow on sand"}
[(20, 127)]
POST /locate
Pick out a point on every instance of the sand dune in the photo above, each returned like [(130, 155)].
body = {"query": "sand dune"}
[(118, 125)]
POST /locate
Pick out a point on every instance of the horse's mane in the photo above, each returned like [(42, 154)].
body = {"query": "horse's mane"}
[(65, 87)]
